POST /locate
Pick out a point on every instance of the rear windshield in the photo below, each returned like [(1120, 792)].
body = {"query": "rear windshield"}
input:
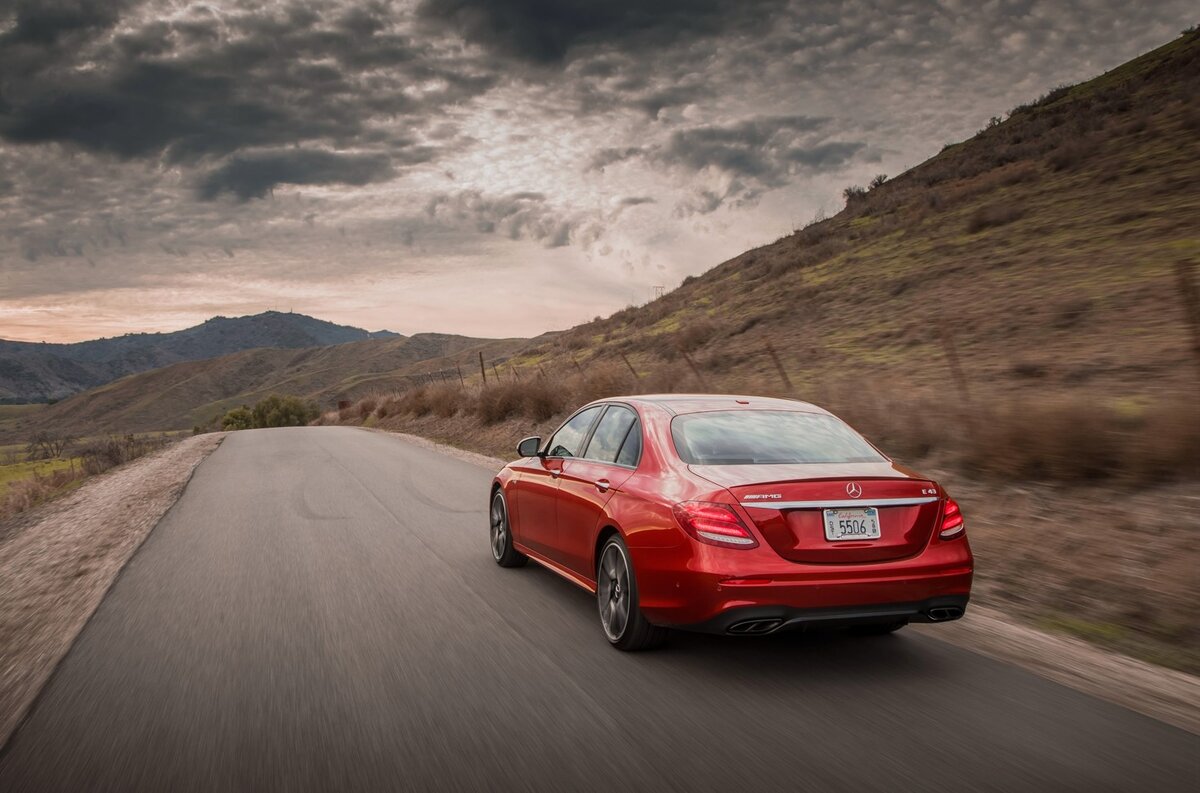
[(763, 437)]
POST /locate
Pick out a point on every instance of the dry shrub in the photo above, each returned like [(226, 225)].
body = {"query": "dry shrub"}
[(329, 417), (388, 406), (366, 406), (600, 381), (415, 401), (102, 455), (446, 399), (1018, 174), (1061, 441), (1165, 444), (993, 215), (1071, 154), (24, 495), (538, 399)]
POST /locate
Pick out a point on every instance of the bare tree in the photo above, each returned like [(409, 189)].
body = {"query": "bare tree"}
[(45, 445)]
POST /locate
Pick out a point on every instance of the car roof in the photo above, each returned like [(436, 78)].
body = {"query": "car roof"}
[(695, 403)]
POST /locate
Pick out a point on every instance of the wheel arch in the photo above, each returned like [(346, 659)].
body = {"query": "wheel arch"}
[(606, 532)]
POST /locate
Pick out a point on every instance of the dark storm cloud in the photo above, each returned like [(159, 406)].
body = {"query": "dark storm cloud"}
[(759, 148), (546, 31), (43, 22), (255, 175), (206, 84)]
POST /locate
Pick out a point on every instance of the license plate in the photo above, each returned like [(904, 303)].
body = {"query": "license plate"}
[(852, 524)]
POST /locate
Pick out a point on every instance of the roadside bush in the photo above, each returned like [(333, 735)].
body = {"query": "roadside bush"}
[(366, 406), (283, 411), (238, 419), (99, 456), (537, 398)]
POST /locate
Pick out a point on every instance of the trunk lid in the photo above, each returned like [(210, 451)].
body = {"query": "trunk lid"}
[(787, 504)]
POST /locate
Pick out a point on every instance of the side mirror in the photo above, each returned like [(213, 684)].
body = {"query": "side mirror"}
[(528, 447)]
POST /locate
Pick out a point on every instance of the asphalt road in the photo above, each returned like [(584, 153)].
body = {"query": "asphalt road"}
[(320, 612)]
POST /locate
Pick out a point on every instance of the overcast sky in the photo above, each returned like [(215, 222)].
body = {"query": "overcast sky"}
[(488, 167)]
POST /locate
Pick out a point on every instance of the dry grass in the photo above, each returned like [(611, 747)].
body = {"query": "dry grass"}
[(993, 215), (95, 457), (1066, 438)]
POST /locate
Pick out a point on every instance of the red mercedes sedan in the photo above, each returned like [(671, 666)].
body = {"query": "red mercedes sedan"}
[(732, 515)]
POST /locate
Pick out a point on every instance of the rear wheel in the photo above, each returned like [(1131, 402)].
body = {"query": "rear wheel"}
[(879, 629), (501, 535), (616, 595)]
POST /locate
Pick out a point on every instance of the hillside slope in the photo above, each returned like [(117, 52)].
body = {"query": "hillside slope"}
[(31, 371), (1045, 248), (184, 394)]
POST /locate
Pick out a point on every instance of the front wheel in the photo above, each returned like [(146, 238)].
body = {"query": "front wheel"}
[(501, 535), (616, 594)]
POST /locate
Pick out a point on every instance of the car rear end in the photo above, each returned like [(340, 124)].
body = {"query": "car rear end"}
[(805, 523)]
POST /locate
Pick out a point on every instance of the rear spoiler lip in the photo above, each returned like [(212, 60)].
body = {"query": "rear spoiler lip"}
[(840, 503)]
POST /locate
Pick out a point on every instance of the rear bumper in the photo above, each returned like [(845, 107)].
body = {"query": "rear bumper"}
[(712, 589), (761, 620)]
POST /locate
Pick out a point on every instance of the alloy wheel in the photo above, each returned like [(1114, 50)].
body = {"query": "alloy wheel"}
[(613, 592), (499, 527)]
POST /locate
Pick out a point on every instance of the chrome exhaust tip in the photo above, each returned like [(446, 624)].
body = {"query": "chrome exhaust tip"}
[(754, 627), (944, 613)]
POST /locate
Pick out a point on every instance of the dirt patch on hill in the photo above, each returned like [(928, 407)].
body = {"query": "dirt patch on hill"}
[(57, 561)]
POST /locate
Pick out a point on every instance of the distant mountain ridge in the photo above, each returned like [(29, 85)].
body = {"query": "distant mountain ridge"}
[(193, 392), (38, 371)]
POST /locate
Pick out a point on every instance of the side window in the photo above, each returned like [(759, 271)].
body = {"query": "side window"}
[(610, 434), (568, 440), (631, 450)]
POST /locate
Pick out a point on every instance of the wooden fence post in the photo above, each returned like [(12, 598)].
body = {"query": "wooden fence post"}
[(482, 371), (787, 383), (462, 381), (695, 370), (956, 372), (1191, 304), (632, 371)]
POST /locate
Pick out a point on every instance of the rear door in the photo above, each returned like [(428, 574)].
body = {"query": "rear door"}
[(537, 487), (590, 481)]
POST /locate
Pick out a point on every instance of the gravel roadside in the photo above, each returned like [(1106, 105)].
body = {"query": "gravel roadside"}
[(57, 562)]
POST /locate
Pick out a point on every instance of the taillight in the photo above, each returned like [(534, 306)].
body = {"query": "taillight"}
[(952, 521), (715, 524)]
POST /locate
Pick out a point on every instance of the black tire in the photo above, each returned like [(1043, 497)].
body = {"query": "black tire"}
[(617, 598), (500, 534), (879, 629)]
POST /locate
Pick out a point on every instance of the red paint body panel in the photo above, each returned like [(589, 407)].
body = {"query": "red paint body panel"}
[(559, 516)]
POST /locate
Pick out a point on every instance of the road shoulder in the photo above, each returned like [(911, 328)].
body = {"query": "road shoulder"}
[(57, 562)]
